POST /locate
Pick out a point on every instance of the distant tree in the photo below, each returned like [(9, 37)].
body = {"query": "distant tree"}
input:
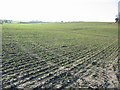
[(1, 21), (116, 20), (5, 21)]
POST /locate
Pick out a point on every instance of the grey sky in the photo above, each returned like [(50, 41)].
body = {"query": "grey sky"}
[(59, 10)]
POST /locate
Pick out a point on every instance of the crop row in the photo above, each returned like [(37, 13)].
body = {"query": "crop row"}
[(27, 69), (38, 68), (80, 67)]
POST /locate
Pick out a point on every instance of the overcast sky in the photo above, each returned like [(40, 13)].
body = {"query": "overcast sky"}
[(59, 10)]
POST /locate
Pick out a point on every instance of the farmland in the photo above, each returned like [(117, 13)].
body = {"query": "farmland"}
[(60, 55)]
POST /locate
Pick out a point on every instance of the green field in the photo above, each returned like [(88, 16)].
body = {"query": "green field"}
[(60, 55)]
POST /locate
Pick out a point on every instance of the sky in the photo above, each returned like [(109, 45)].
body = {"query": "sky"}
[(59, 10)]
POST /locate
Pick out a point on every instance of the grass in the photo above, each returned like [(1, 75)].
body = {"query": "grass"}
[(29, 48)]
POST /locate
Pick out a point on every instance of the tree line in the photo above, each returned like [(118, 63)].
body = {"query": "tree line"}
[(5, 21)]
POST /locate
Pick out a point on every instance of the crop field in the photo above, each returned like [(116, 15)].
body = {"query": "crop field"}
[(60, 55)]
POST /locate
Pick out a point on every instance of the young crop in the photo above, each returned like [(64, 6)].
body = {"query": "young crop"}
[(61, 56)]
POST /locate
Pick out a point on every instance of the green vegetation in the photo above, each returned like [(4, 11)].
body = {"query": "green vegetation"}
[(60, 55)]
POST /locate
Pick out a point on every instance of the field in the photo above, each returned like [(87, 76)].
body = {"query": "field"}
[(60, 55)]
